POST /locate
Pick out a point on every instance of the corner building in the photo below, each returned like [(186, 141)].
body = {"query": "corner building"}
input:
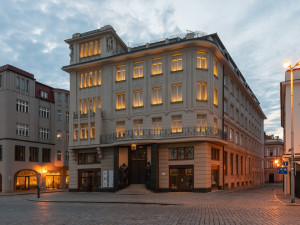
[(178, 113), (33, 132)]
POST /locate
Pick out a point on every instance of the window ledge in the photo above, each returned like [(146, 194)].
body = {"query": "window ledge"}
[(203, 69), (120, 109), (176, 102), (120, 81), (156, 104), (175, 71), (136, 78), (158, 74), (216, 105), (198, 100), (137, 107)]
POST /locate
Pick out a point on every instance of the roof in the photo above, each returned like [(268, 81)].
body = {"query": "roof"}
[(45, 88), (8, 67)]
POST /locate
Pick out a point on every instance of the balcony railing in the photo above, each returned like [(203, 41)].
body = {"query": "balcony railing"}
[(145, 134)]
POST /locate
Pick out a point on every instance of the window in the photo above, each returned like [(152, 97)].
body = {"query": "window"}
[(231, 163), (237, 137), (44, 112), (215, 96), (84, 130), (231, 133), (138, 70), (201, 91), (22, 130), (58, 135), (66, 98), (44, 133), (182, 153), (225, 80), (67, 136), (81, 82), (237, 164), (176, 124), (242, 165), (22, 106), (215, 67), (120, 101), (58, 115), (231, 110), (156, 96), (59, 97), (88, 158), (67, 156), (120, 76), (176, 93), (67, 116), (46, 155), (201, 60), (0, 152), (138, 127), (120, 128), (44, 95), (176, 63), (90, 48), (156, 125), (33, 154), (22, 84), (92, 130), (138, 98), (215, 154), (19, 153), (75, 132), (271, 153), (225, 163), (215, 126), (18, 82), (237, 116), (90, 79), (225, 106), (26, 86), (157, 66), (58, 155), (201, 122)]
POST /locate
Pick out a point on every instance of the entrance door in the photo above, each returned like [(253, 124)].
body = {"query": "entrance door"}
[(271, 177), (214, 177), (27, 182), (89, 180), (138, 166)]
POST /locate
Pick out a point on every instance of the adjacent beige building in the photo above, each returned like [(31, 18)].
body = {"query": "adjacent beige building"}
[(33, 132), (177, 113), (273, 159), (285, 102)]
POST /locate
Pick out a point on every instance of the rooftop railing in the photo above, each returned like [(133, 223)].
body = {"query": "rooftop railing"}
[(151, 134)]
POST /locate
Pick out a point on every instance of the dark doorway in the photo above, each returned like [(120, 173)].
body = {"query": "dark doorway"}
[(138, 166), (214, 177), (297, 184), (181, 178), (271, 177), (89, 180), (0, 182)]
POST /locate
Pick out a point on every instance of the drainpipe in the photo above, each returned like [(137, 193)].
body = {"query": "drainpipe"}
[(223, 123)]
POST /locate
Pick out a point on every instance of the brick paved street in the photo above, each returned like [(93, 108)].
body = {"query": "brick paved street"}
[(259, 205)]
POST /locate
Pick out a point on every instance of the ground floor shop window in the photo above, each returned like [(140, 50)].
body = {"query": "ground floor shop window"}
[(25, 180), (181, 178), (89, 179), (53, 180)]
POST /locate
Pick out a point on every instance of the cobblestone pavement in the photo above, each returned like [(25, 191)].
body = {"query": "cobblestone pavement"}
[(257, 205)]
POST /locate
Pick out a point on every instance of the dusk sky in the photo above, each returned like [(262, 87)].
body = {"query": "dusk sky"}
[(259, 35)]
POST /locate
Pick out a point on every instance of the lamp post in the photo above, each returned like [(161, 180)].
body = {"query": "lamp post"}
[(288, 65)]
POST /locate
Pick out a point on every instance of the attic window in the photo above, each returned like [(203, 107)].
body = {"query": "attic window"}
[(44, 94)]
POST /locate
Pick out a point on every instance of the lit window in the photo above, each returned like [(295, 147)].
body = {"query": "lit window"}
[(176, 63), (176, 95), (120, 128), (201, 91), (157, 66), (138, 98), (176, 124), (120, 76), (138, 70), (90, 104), (215, 126), (201, 122), (86, 45), (156, 125), (59, 135), (84, 130), (90, 79), (81, 50), (215, 68), (156, 95), (120, 100), (81, 80), (99, 102), (138, 127), (90, 48), (75, 132), (92, 130), (85, 80), (201, 60), (99, 77), (215, 96)]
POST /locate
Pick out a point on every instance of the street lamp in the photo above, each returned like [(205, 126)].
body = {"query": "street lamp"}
[(288, 65)]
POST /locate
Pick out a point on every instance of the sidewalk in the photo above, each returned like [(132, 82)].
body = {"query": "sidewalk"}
[(32, 192)]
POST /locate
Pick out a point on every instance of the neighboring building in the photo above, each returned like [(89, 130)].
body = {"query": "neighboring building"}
[(273, 154), (179, 107), (285, 102), (33, 132)]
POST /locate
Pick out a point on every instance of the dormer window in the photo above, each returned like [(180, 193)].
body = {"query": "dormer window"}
[(44, 94), (90, 48)]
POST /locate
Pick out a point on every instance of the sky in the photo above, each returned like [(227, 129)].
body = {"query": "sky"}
[(259, 35)]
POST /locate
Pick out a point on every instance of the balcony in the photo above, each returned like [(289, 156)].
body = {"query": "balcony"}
[(149, 134)]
